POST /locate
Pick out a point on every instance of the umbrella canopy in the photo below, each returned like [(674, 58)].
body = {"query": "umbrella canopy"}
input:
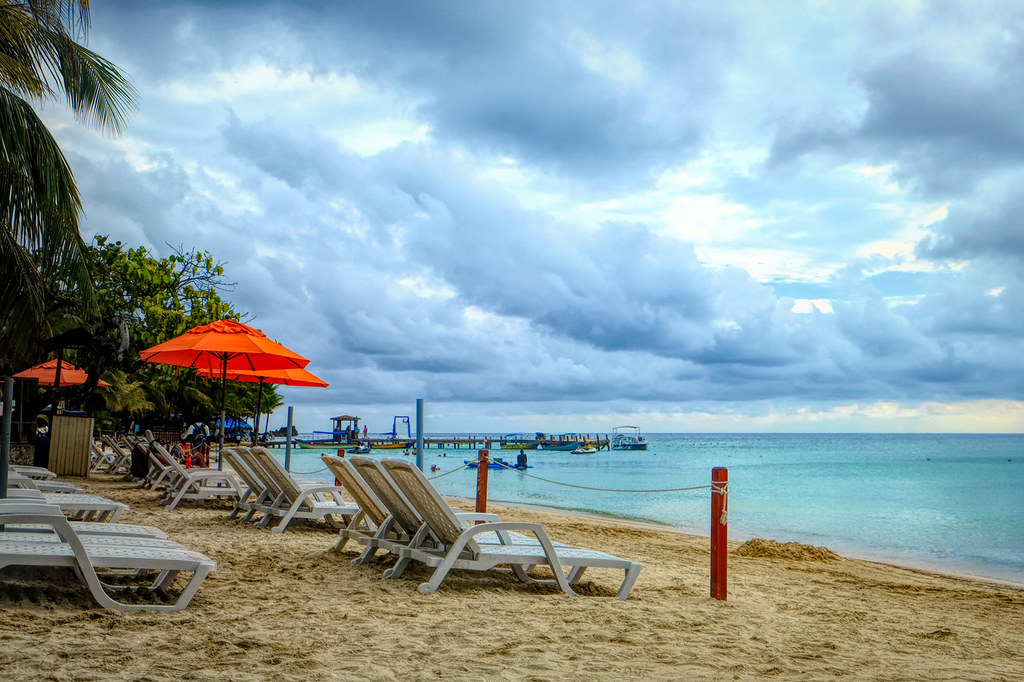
[(224, 346), (295, 376), (47, 374)]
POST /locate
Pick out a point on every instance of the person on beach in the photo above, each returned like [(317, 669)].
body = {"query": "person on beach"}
[(178, 453), (197, 436), (195, 430), (200, 452)]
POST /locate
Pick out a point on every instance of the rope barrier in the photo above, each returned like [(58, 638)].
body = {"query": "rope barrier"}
[(722, 489), (604, 490), (464, 466), (307, 473), (714, 488)]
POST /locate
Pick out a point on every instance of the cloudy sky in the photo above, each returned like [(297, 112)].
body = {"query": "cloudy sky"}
[(570, 215)]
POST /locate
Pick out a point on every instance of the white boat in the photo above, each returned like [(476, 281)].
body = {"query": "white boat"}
[(628, 438), (584, 450)]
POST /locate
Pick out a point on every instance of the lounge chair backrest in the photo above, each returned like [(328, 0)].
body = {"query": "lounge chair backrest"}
[(383, 487), (425, 499), (167, 459), (280, 475), (244, 470), (269, 480), (115, 446), (16, 480), (356, 487)]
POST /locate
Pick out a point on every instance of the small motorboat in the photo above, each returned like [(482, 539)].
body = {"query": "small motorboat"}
[(628, 438), (584, 450), (363, 449)]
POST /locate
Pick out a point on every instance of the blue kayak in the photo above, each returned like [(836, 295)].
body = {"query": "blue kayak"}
[(496, 463)]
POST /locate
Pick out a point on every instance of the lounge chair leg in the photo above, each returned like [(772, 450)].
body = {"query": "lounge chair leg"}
[(366, 556), (181, 494), (632, 573), (576, 573), (399, 568)]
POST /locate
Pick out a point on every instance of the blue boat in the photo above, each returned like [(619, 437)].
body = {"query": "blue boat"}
[(496, 463)]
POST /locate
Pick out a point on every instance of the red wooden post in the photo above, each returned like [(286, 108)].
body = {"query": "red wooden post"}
[(481, 482), (719, 531)]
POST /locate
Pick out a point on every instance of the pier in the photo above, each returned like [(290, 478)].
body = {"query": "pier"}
[(601, 442)]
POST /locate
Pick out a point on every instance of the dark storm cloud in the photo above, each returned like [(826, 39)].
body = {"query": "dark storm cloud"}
[(945, 117), (993, 230)]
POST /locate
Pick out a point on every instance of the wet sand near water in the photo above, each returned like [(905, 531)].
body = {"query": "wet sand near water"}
[(280, 606)]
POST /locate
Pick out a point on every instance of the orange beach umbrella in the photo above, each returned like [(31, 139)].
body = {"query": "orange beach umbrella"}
[(47, 374), (296, 376), (223, 346)]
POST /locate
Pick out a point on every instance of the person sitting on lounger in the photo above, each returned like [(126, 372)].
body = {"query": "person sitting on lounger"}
[(200, 451)]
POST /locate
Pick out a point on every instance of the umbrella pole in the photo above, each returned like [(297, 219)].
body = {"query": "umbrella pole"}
[(259, 401), (56, 384), (5, 444), (223, 423)]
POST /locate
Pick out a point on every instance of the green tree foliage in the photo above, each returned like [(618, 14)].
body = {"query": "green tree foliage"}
[(157, 298), (144, 300), (40, 245)]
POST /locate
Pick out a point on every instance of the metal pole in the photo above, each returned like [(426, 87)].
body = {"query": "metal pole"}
[(223, 423), (256, 428), (288, 442), (5, 440), (419, 433)]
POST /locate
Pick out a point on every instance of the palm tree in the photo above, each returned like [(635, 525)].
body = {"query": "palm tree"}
[(40, 244), (126, 398)]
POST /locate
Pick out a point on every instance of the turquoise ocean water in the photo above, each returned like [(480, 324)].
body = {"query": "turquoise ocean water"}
[(949, 502)]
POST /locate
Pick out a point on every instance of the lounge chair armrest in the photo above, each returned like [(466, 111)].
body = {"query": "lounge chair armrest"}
[(321, 489), (499, 526), (475, 516)]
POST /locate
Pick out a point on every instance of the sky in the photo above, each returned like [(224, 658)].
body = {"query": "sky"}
[(569, 215)]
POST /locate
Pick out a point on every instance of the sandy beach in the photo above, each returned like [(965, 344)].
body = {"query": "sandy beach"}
[(282, 607)]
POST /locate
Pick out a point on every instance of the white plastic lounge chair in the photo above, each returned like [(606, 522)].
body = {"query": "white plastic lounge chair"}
[(462, 551), (64, 547), (374, 527), (293, 500), (76, 507), (194, 484), (122, 456), (85, 528), (102, 461), (406, 524), (256, 494), (37, 473), (16, 480), (163, 474), (90, 539)]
